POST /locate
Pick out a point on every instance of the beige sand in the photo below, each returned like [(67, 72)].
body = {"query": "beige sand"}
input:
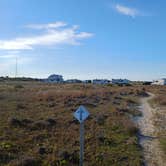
[(148, 139)]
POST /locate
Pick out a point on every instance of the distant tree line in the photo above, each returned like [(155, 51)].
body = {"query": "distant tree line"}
[(18, 79)]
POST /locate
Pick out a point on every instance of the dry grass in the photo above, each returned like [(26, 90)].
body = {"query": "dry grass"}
[(37, 126)]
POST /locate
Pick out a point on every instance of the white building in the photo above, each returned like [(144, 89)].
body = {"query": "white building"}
[(54, 79), (159, 82), (121, 81), (101, 81)]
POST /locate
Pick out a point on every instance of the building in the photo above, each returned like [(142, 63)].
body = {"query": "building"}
[(121, 81), (54, 78), (101, 81), (87, 81), (73, 81), (159, 82)]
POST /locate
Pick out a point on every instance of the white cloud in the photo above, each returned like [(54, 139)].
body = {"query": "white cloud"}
[(52, 36), (7, 56), (47, 26), (127, 10)]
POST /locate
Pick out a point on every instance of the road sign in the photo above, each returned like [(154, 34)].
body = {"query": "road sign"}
[(81, 114)]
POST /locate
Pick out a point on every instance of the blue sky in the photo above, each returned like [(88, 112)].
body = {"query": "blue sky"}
[(83, 39)]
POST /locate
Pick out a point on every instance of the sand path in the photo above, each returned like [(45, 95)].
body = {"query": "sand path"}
[(147, 137)]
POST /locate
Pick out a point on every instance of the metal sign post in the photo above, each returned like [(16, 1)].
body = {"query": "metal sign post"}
[(81, 114), (81, 143)]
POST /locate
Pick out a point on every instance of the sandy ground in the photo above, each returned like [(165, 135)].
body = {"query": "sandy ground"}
[(147, 137)]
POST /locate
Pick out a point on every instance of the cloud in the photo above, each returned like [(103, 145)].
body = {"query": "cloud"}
[(47, 26), (7, 56), (52, 36), (128, 11)]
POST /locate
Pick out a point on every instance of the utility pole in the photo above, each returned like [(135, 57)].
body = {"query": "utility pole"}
[(16, 69)]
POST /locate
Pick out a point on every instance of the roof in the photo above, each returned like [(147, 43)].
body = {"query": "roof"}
[(54, 76)]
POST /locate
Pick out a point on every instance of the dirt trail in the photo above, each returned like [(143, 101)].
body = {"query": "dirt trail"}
[(147, 138)]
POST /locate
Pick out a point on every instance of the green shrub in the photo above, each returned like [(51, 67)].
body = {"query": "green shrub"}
[(163, 144), (18, 86)]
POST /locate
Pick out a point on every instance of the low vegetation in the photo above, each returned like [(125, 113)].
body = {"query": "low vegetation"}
[(37, 125), (159, 102)]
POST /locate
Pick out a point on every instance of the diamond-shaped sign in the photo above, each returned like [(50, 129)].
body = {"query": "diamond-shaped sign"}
[(81, 114)]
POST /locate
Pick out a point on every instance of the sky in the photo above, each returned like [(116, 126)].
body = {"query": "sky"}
[(83, 39)]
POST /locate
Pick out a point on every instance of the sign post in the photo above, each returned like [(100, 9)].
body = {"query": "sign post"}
[(81, 115), (81, 143)]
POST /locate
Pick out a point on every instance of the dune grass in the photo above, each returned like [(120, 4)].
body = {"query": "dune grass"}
[(37, 126)]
